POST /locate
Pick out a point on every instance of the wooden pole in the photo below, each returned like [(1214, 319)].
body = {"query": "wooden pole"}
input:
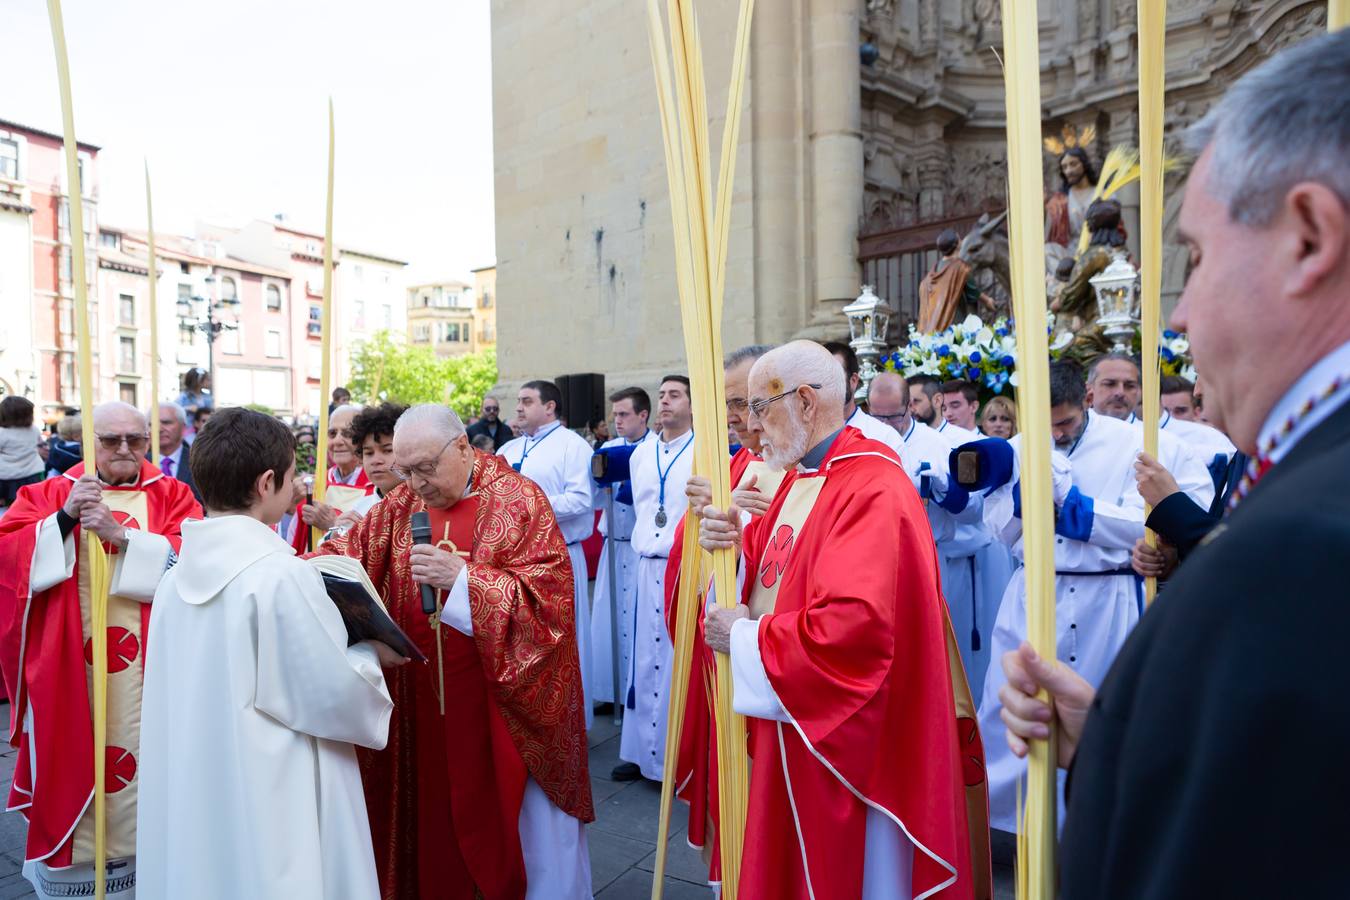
[(1338, 14), (94, 557), (326, 338), (1152, 85)]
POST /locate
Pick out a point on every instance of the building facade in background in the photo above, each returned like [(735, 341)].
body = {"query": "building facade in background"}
[(869, 126), (442, 317), (485, 308)]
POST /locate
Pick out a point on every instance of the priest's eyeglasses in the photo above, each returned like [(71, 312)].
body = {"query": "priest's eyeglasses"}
[(757, 407), (136, 443), (423, 470)]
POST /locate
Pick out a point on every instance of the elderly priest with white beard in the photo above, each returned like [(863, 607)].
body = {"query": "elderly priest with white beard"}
[(866, 757)]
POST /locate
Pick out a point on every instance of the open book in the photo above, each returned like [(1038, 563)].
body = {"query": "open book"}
[(355, 596)]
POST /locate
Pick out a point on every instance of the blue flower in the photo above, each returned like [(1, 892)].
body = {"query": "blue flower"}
[(1167, 354), (1001, 332), (974, 373), (944, 350), (1169, 334), (996, 381), (1007, 362), (975, 357)]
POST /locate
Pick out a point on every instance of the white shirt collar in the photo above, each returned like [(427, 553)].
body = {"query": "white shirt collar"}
[(1309, 387)]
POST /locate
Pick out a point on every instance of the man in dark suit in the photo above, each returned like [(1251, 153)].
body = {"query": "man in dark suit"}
[(490, 424), (1210, 763), (175, 453)]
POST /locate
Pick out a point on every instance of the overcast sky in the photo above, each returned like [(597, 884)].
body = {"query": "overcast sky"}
[(228, 102)]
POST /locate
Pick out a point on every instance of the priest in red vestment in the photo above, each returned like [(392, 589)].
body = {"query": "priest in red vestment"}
[(868, 776), (483, 789), (46, 655)]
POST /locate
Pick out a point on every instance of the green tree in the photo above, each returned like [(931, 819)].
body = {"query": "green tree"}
[(385, 368)]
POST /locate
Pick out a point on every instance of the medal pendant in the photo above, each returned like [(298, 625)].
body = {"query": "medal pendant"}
[(661, 517)]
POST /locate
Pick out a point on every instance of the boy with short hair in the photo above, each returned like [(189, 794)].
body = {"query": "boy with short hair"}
[(253, 700)]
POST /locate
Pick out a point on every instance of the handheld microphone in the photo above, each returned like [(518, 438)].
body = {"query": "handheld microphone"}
[(421, 534)]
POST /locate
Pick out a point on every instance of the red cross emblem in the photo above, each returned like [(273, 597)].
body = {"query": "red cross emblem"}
[(119, 769), (123, 648), (776, 556)]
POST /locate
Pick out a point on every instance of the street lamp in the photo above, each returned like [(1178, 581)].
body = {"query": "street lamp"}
[(190, 320), (868, 318)]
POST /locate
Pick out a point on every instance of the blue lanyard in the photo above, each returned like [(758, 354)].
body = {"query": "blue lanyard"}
[(525, 454), (912, 425), (1081, 435), (661, 500)]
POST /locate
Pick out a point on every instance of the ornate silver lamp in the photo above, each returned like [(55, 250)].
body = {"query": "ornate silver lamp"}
[(1117, 289), (868, 318)]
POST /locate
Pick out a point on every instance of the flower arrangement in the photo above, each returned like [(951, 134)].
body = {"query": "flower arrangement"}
[(1174, 355), (985, 355)]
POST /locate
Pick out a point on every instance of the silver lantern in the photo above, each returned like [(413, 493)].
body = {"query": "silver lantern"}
[(868, 318), (1117, 290)]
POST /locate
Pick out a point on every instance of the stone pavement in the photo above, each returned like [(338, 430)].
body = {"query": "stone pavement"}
[(622, 840)]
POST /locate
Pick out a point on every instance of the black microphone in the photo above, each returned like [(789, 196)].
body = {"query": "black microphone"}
[(421, 534)]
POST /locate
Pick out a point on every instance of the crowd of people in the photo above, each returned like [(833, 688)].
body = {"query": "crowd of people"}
[(258, 747)]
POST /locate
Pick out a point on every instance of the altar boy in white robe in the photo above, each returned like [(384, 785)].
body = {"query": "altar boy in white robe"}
[(253, 700), (559, 460), (1099, 515)]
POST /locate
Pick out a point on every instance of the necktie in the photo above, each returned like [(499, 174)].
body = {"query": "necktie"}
[(166, 466)]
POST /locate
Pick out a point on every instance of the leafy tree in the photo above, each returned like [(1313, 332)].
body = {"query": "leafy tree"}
[(384, 368)]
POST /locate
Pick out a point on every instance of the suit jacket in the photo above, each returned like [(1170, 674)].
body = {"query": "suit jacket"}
[(1180, 520), (1212, 763), (499, 440), (183, 471)]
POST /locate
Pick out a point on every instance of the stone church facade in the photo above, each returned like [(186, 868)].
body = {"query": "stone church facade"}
[(869, 127)]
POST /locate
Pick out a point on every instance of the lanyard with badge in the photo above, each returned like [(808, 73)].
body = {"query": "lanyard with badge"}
[(525, 454), (661, 518)]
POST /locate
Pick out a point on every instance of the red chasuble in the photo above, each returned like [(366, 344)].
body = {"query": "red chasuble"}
[(856, 645), (444, 795), (48, 670)]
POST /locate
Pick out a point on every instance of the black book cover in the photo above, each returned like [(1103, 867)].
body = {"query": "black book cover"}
[(365, 617)]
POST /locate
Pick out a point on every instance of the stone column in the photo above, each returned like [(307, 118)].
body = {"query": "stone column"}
[(836, 148), (774, 122)]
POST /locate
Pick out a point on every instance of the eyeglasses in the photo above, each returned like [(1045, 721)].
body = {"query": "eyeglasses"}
[(423, 470), (737, 405), (136, 443), (345, 432), (757, 407), (890, 420)]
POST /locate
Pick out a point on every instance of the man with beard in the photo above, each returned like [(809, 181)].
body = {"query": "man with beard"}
[(925, 400), (483, 788), (1099, 517), (1066, 209), (844, 663), (491, 425)]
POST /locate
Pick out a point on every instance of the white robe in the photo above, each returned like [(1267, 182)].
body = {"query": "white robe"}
[(644, 725), (877, 430), (625, 566), (1094, 612), (252, 702), (559, 461)]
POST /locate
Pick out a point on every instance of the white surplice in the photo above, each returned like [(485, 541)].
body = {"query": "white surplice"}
[(619, 539), (559, 461), (644, 724), (252, 702)]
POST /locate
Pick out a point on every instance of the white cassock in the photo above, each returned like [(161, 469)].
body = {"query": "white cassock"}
[(559, 461), (644, 723), (975, 568), (249, 781), (552, 844), (1098, 598), (625, 566)]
